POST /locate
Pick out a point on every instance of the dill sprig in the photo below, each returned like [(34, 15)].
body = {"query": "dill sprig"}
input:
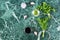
[(43, 22)]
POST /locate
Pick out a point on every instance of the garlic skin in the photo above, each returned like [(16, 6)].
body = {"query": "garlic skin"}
[(35, 33), (32, 3)]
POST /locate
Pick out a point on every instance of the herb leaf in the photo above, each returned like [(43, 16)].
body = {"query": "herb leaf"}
[(46, 8), (43, 22)]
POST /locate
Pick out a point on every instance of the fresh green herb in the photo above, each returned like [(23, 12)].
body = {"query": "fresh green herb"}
[(46, 8), (43, 22)]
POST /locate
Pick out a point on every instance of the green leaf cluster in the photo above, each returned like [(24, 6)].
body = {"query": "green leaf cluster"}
[(43, 22), (46, 8)]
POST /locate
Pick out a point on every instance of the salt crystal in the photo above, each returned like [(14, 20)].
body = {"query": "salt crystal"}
[(25, 16)]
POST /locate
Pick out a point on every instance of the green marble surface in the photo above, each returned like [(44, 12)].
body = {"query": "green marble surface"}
[(12, 28)]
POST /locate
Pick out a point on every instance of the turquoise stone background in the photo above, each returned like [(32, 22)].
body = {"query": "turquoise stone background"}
[(13, 29)]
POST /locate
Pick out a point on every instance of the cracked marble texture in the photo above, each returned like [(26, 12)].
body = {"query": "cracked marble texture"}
[(13, 24)]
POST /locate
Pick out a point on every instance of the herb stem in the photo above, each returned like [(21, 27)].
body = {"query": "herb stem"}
[(43, 32)]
